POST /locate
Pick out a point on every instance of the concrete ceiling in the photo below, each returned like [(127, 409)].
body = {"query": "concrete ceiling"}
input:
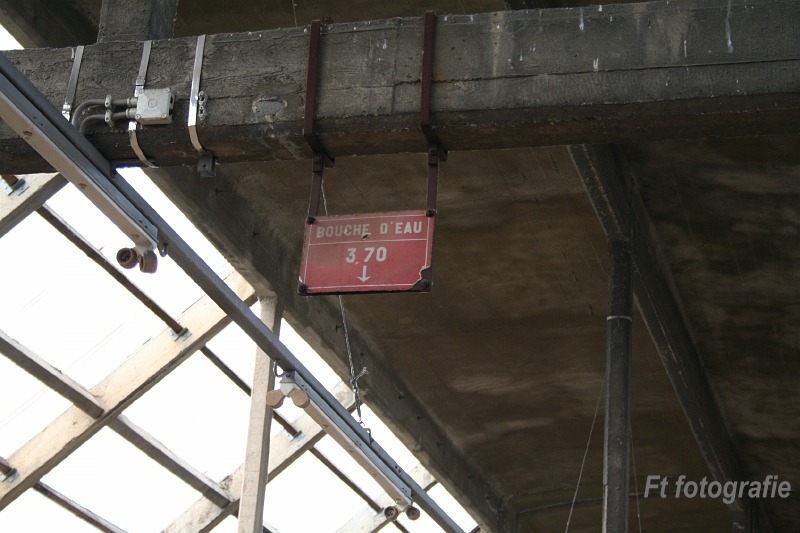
[(494, 376)]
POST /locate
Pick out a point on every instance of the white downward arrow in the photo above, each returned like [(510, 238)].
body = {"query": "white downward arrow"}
[(363, 277)]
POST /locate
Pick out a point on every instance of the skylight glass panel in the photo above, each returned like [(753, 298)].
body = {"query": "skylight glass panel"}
[(199, 414), (26, 408), (120, 483), (308, 497), (63, 307)]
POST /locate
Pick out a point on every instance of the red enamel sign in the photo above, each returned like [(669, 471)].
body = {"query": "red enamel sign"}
[(378, 252)]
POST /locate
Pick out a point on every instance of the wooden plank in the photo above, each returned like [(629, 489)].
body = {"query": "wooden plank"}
[(130, 381), (169, 460), (83, 399), (77, 509), (502, 80), (15, 207), (251, 506), (50, 376)]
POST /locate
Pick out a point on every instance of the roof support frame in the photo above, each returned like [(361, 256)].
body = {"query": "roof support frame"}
[(25, 107)]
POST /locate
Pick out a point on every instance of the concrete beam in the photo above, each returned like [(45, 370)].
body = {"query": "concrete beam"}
[(15, 207), (631, 72), (123, 20), (622, 211), (204, 515), (40, 23), (131, 380)]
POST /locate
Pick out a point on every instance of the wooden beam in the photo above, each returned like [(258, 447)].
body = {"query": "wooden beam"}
[(251, 508), (622, 211), (85, 401), (123, 20), (368, 520), (15, 207), (66, 503), (131, 380), (169, 460), (50, 376), (204, 515), (502, 80), (77, 509)]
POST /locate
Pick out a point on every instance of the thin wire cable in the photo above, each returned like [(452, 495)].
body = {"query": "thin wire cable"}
[(585, 454), (294, 12), (353, 377), (635, 483)]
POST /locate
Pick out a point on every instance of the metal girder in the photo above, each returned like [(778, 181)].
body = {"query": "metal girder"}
[(621, 211), (26, 109)]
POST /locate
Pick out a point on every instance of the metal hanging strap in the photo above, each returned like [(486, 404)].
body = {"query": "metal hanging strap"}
[(137, 92), (319, 159), (207, 162), (436, 151), (72, 86)]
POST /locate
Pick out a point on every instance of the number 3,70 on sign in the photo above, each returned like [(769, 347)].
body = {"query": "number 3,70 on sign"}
[(372, 253)]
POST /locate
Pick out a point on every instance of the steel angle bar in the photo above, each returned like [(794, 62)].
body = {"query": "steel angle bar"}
[(42, 126), (25, 108)]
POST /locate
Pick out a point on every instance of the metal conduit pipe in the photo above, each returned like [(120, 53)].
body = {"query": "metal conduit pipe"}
[(107, 117)]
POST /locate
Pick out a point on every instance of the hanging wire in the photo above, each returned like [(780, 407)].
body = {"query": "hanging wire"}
[(294, 12), (635, 483), (353, 377), (585, 454)]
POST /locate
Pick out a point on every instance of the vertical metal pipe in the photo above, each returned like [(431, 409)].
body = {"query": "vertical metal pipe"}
[(616, 459)]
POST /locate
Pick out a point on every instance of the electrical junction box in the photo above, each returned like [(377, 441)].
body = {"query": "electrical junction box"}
[(154, 106)]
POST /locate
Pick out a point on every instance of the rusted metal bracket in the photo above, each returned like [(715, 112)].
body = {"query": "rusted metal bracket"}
[(320, 159), (436, 152)]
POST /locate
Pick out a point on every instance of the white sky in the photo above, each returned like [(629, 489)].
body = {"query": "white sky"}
[(67, 310)]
